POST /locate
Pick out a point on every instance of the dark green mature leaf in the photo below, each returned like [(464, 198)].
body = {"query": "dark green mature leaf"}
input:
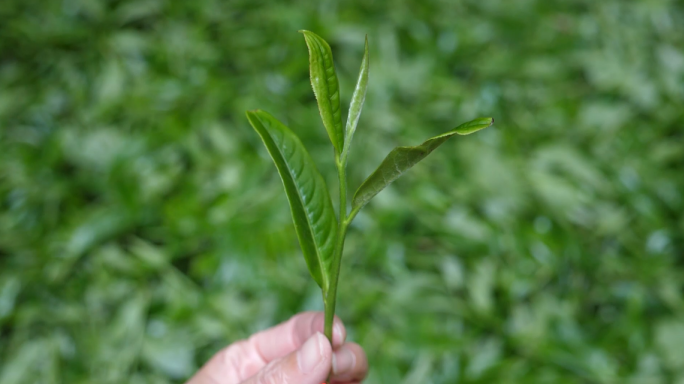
[(401, 159), (312, 210), (326, 87), (357, 100)]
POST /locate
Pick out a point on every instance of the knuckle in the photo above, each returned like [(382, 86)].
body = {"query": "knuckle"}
[(273, 374), (232, 358)]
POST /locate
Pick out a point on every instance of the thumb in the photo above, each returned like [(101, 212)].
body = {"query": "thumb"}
[(308, 365)]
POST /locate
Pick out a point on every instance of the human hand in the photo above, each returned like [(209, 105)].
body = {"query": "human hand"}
[(293, 352)]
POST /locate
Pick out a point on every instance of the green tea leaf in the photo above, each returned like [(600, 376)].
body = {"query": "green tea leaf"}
[(325, 86), (312, 210), (401, 159), (357, 102)]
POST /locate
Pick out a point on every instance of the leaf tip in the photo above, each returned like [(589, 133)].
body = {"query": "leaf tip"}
[(308, 34), (474, 126)]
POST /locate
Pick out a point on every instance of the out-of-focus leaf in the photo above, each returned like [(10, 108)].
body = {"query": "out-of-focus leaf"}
[(312, 211), (326, 87), (401, 159), (18, 368)]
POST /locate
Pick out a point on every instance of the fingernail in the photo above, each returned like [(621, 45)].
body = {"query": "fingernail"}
[(309, 355), (337, 330), (343, 361)]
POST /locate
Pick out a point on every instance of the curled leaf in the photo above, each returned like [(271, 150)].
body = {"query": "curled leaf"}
[(358, 98)]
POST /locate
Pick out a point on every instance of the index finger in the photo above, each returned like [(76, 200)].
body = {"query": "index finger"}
[(289, 336)]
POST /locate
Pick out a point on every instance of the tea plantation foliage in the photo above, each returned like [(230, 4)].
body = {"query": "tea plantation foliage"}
[(143, 227)]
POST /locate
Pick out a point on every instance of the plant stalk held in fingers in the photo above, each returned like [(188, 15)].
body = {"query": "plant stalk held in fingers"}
[(321, 232)]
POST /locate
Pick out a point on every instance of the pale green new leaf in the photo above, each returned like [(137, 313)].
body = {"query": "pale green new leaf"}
[(326, 87), (401, 159), (357, 102), (312, 210)]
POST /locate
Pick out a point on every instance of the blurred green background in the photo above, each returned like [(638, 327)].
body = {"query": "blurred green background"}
[(143, 226)]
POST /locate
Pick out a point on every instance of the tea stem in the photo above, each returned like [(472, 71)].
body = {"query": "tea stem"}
[(344, 220), (331, 296)]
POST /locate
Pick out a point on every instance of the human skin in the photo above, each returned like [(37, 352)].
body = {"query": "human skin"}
[(293, 352)]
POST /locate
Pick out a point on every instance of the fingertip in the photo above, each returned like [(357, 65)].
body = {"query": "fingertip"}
[(326, 348), (315, 351), (350, 363), (339, 333), (309, 364), (305, 325), (343, 361), (317, 324)]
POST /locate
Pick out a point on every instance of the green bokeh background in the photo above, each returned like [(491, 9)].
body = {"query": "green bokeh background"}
[(143, 226)]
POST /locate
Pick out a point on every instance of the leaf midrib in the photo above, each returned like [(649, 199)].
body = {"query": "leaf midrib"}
[(290, 170), (326, 80)]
